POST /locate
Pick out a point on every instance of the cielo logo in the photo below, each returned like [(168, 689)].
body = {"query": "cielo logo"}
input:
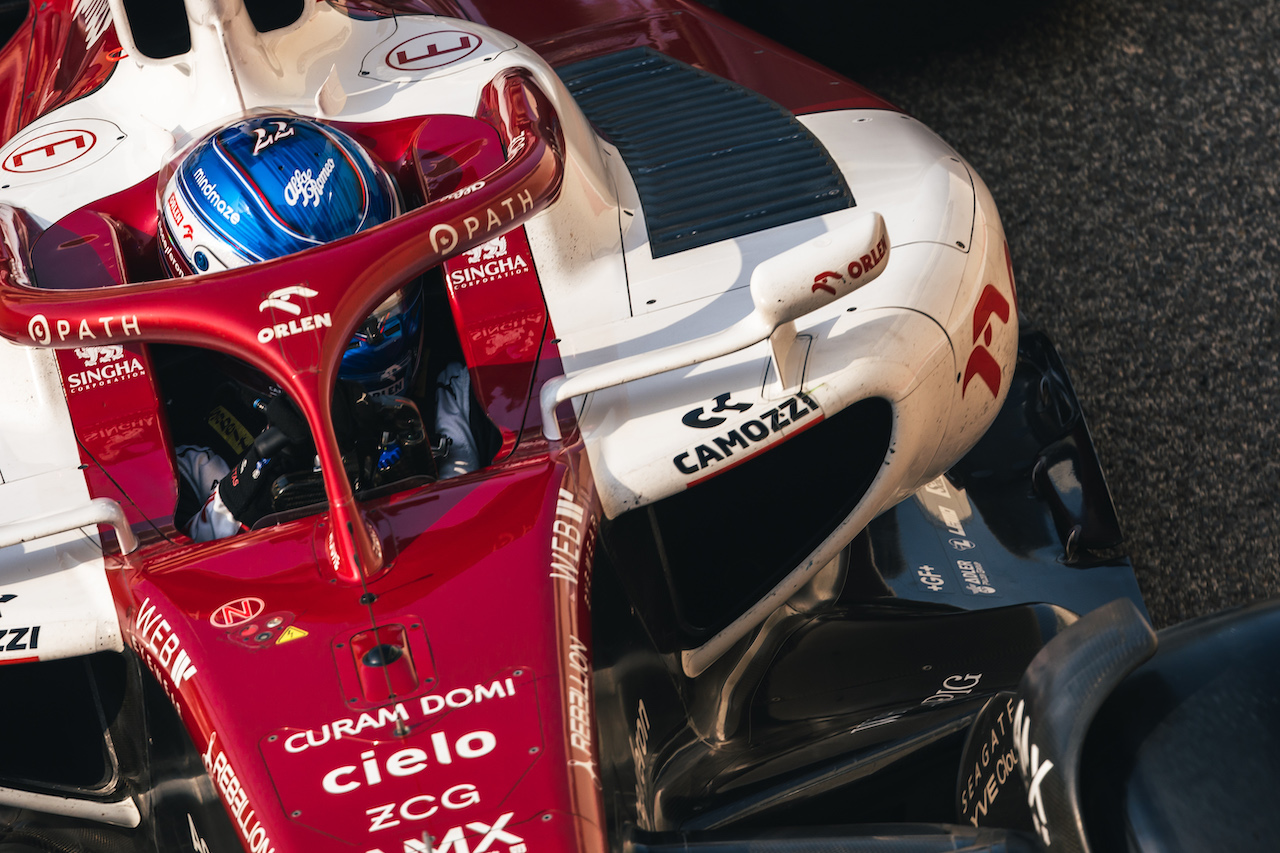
[(282, 300)]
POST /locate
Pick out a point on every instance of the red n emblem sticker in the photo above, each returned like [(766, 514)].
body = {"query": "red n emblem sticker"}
[(236, 612)]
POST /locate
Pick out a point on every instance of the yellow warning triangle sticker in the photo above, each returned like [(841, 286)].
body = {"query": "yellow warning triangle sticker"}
[(291, 633)]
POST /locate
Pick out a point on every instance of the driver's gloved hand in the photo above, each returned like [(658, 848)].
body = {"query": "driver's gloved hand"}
[(285, 447), (284, 416), (285, 443), (246, 491)]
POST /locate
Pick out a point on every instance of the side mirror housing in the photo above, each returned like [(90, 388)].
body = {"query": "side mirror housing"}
[(784, 288)]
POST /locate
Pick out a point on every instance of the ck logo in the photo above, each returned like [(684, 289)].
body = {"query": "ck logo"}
[(982, 363), (280, 298), (697, 420)]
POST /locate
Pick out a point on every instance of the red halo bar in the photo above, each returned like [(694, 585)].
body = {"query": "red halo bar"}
[(298, 341)]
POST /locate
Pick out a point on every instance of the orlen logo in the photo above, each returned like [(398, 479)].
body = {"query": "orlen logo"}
[(282, 300), (179, 219), (856, 269), (433, 50), (982, 363)]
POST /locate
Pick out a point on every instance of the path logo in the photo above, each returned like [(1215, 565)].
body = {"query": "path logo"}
[(236, 612), (982, 363)]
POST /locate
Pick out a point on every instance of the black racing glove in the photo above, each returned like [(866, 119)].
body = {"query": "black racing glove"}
[(282, 446)]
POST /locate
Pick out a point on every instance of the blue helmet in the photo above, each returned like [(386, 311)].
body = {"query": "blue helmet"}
[(274, 184)]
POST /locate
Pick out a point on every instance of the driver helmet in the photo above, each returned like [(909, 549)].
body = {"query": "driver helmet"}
[(277, 183)]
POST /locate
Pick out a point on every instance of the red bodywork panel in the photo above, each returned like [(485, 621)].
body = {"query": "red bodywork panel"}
[(564, 31), (121, 428), (484, 725), (273, 645)]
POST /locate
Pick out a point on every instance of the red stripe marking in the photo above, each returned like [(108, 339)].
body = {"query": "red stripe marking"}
[(720, 470)]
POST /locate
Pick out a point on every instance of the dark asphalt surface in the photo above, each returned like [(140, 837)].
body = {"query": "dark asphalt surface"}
[(1132, 149)]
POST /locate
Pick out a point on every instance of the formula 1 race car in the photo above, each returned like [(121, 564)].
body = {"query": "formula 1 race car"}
[(462, 427)]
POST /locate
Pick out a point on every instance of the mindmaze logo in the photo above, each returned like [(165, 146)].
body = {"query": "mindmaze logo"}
[(209, 190)]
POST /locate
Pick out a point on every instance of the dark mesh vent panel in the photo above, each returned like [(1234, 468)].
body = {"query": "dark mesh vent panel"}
[(712, 160)]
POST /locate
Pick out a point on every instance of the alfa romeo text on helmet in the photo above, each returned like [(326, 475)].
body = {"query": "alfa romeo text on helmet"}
[(269, 186), (275, 184)]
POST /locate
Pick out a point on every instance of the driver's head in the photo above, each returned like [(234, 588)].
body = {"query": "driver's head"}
[(275, 184)]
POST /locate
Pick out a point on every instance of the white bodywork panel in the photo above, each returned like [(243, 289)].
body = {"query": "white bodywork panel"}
[(57, 582), (883, 340)]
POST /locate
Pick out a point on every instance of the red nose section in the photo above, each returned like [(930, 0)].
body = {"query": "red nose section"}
[(384, 664)]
